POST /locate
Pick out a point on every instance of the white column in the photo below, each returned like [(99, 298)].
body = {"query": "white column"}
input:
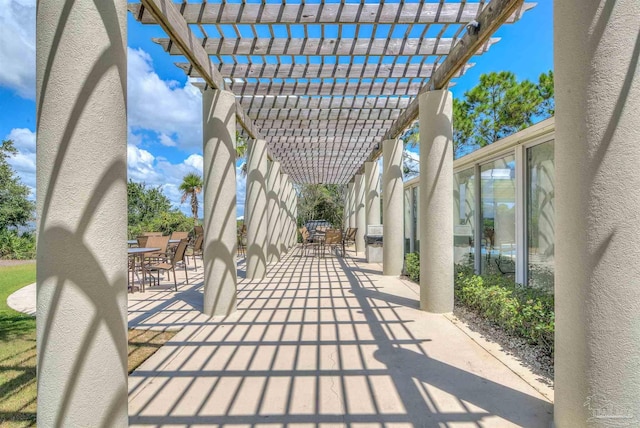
[(284, 224), (436, 201), (392, 246), (347, 204), (81, 69), (219, 202), (597, 292), (255, 210), (273, 208), (292, 215), (352, 204), (372, 192), (361, 219)]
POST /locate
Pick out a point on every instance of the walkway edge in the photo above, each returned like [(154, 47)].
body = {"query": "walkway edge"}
[(511, 363), (24, 300)]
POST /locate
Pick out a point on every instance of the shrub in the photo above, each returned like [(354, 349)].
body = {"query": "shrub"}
[(17, 246), (412, 266), (521, 311), (165, 222)]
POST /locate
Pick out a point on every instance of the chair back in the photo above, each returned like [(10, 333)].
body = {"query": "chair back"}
[(180, 252), (152, 234), (197, 246), (142, 241), (351, 233), (321, 229), (179, 235), (198, 230), (333, 237), (158, 242)]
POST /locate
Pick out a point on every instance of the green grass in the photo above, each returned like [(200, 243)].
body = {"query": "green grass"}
[(17, 352)]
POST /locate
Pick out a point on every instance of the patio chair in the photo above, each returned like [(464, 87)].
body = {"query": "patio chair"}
[(304, 233), (152, 234), (170, 264), (142, 241), (179, 235), (196, 249), (333, 240), (349, 238)]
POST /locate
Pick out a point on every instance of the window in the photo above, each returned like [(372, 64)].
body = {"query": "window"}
[(540, 216), (463, 217), (498, 193)]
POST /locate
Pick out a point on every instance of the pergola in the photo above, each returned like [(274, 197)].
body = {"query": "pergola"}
[(323, 89)]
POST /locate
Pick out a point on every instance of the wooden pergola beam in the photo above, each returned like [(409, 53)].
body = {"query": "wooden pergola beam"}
[(166, 15)]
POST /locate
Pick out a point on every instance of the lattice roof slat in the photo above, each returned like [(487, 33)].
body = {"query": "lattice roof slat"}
[(291, 12), (325, 47), (386, 87), (250, 102), (314, 71), (322, 124), (276, 134), (324, 114)]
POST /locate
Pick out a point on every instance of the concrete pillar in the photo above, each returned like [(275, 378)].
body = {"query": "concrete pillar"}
[(255, 210), (597, 297), (273, 208), (82, 213), (392, 190), (352, 204), (372, 192), (347, 204), (436, 201), (284, 223), (292, 215), (219, 202), (361, 219)]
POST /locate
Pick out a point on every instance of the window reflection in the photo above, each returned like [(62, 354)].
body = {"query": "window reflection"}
[(498, 245), (463, 221), (540, 216)]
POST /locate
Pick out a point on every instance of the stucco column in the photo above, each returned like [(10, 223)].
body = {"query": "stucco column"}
[(82, 213), (255, 209), (392, 190), (597, 293), (219, 202), (361, 218), (347, 204), (273, 208), (292, 217), (372, 192), (284, 222), (436, 201), (352, 204)]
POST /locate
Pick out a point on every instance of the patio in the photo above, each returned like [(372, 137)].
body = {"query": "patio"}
[(320, 342)]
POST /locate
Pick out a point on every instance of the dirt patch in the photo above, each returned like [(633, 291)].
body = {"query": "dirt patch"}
[(15, 262)]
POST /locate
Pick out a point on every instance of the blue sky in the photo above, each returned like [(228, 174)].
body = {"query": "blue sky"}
[(165, 110)]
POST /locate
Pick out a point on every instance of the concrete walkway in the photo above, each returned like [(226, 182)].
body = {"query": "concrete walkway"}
[(24, 300), (322, 342)]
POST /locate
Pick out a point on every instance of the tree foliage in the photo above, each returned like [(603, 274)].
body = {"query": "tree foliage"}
[(191, 187), (321, 202), (15, 207), (495, 108), (145, 203)]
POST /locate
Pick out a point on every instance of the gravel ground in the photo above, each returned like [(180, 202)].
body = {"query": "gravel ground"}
[(15, 262), (531, 356)]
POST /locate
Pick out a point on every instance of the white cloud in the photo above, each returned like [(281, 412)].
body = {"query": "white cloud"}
[(172, 111), (17, 46)]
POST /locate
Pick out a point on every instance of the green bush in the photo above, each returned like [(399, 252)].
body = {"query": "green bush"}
[(412, 266), (17, 246), (165, 222), (525, 312)]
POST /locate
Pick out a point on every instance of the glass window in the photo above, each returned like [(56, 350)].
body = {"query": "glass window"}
[(498, 192), (407, 220), (540, 216), (463, 217), (416, 218)]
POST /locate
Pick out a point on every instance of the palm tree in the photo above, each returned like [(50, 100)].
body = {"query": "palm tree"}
[(191, 186)]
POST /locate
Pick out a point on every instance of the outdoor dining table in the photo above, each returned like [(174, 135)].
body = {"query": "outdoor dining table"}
[(140, 251), (132, 242)]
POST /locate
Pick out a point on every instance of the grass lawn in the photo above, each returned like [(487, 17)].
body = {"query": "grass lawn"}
[(18, 351)]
